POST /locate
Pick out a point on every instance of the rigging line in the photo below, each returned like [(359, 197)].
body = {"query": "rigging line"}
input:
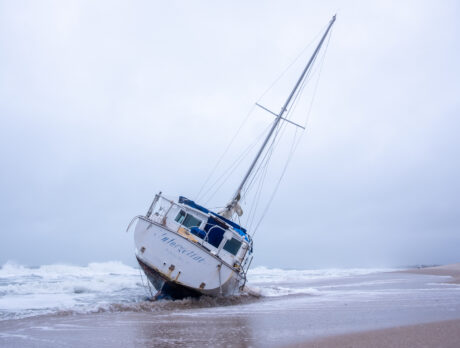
[(295, 144), (323, 59), (225, 151), (259, 165), (269, 152), (252, 109), (292, 63), (270, 145), (254, 175), (310, 76), (277, 185), (267, 159), (317, 70), (315, 67), (262, 170), (236, 162), (252, 206), (307, 79), (266, 152), (226, 174), (235, 165), (259, 174), (257, 197)]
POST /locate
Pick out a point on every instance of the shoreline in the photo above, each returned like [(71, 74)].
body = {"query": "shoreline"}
[(450, 270), (444, 334)]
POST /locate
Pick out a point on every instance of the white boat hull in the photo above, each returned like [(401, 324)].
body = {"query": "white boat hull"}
[(179, 267)]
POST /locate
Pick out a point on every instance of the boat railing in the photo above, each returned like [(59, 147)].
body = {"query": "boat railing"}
[(160, 208)]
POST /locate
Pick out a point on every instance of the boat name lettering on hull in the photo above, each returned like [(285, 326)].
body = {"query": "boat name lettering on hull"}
[(180, 249)]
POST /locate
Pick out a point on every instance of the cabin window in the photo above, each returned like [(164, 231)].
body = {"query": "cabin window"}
[(180, 217), (191, 221), (187, 220), (232, 246)]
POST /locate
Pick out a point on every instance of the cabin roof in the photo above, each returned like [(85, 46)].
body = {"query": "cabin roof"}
[(192, 204)]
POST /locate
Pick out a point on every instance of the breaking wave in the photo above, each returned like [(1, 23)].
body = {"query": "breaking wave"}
[(115, 287)]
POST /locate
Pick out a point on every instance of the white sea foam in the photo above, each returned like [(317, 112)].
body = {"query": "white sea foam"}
[(37, 290), (114, 286), (275, 291)]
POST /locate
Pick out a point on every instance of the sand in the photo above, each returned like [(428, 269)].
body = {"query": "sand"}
[(452, 270), (444, 334)]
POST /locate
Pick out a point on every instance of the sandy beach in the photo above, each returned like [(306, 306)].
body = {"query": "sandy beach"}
[(452, 271), (415, 308)]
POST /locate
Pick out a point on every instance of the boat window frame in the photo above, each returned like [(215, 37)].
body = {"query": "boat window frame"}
[(181, 218), (233, 238), (184, 217)]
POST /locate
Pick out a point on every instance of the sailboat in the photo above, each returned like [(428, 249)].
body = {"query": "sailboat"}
[(188, 250)]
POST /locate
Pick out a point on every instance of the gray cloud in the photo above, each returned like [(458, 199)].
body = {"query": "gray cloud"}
[(103, 104)]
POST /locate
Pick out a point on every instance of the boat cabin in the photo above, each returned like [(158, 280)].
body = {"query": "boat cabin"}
[(221, 237)]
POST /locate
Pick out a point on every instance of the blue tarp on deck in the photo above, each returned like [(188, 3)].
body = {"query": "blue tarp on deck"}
[(192, 204)]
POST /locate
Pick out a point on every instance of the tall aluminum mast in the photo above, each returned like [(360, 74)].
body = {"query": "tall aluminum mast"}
[(230, 208)]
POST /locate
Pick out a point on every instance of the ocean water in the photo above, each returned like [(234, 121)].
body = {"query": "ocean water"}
[(104, 305), (115, 287)]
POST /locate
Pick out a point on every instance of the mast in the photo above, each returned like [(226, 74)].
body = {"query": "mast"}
[(233, 205)]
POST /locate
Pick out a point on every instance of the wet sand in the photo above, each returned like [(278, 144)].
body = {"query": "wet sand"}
[(392, 309), (445, 334)]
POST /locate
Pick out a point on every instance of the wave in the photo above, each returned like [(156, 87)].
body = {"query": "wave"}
[(261, 274), (67, 279), (113, 286), (12, 269)]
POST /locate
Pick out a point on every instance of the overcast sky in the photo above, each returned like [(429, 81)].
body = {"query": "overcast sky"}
[(105, 103)]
